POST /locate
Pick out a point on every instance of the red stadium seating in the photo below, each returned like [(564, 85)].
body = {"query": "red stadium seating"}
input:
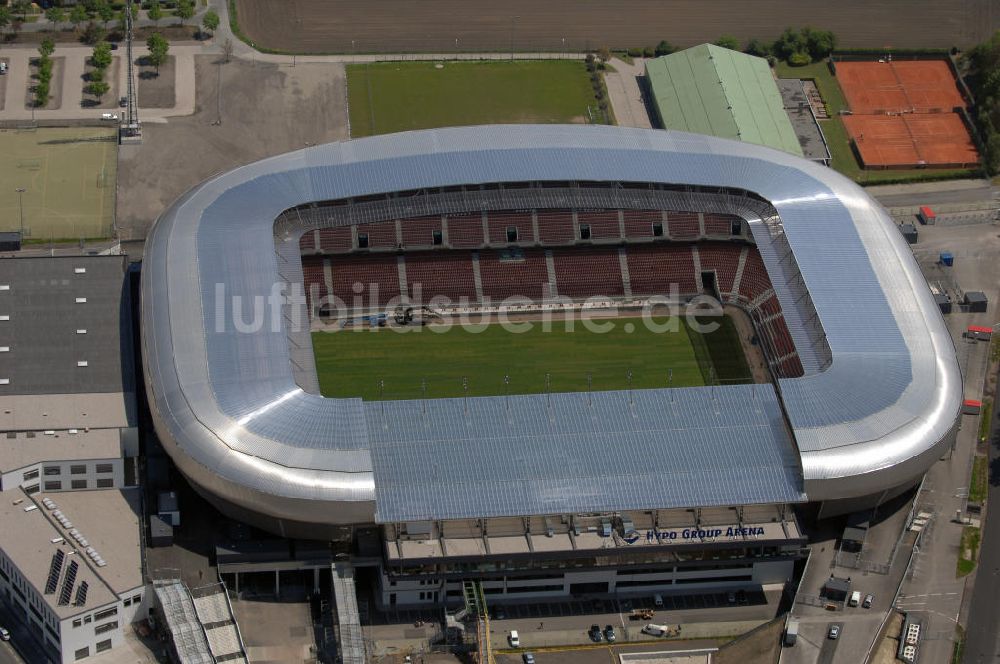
[(555, 227), (719, 225), (373, 278), (639, 223), (683, 225), (585, 272), (444, 273), (419, 232), (603, 225), (336, 240), (518, 273), (754, 280), (465, 231), (653, 268), (723, 259), (381, 235), (312, 280), (499, 222)]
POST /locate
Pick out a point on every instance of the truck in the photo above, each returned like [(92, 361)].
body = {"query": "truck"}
[(661, 630), (855, 598), (791, 632)]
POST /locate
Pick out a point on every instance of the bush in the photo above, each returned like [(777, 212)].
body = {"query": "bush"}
[(800, 59), (93, 33), (758, 48), (635, 52), (728, 41), (664, 48)]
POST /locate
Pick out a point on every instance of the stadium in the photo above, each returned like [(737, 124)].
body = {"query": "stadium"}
[(544, 491)]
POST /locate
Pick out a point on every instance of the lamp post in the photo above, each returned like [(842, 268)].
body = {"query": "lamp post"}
[(512, 20), (20, 207)]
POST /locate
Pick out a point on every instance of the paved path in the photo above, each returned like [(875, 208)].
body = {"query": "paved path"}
[(625, 93)]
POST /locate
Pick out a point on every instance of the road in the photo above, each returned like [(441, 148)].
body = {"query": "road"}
[(984, 619), (829, 648), (972, 192), (8, 654)]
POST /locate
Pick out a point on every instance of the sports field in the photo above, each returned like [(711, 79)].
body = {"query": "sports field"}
[(388, 363), (68, 175), (399, 96)]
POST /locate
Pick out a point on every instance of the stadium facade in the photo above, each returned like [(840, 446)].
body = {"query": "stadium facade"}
[(563, 493)]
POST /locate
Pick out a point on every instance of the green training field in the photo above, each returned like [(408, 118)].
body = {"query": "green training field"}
[(352, 362), (400, 96), (69, 176)]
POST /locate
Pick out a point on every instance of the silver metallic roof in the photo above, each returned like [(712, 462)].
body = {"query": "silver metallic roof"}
[(225, 402)]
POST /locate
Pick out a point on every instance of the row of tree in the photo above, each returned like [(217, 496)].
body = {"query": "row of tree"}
[(984, 80), (45, 50), (798, 47), (100, 60)]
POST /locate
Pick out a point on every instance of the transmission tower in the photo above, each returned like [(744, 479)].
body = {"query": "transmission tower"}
[(130, 130)]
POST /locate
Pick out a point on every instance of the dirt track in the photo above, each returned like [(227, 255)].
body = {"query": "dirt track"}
[(397, 26)]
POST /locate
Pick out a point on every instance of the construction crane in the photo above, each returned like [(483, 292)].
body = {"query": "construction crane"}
[(475, 605), (130, 131)]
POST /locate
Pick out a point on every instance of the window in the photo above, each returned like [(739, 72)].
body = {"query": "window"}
[(106, 613), (657, 229), (31, 475), (512, 233), (78, 484), (128, 601), (136, 598), (436, 238), (31, 489), (77, 622), (53, 486), (53, 470), (87, 619), (362, 240), (736, 227), (106, 627), (105, 468), (78, 470), (82, 652), (105, 483), (103, 645), (584, 231)]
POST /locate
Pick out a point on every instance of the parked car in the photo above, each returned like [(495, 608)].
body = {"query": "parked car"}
[(595, 633), (528, 658), (123, 102), (514, 639), (741, 597), (499, 613), (3, 67), (867, 604), (731, 598), (834, 632), (4, 634), (109, 117), (609, 633)]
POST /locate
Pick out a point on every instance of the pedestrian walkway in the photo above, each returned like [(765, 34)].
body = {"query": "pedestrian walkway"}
[(625, 93)]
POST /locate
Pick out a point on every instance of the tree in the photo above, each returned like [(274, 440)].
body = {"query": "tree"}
[(604, 54), (77, 15), (93, 33), (788, 43), (210, 21), (97, 88), (47, 47), (664, 48), (55, 15), (41, 94), (105, 12), (22, 7), (4, 18), (819, 43), (102, 55), (728, 41), (757, 47), (155, 12), (158, 47), (185, 9)]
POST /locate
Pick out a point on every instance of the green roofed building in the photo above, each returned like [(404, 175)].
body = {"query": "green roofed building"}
[(712, 90)]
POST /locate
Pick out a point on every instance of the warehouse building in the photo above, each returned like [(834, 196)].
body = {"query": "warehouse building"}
[(712, 90)]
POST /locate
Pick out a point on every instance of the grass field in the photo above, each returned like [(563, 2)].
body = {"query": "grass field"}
[(69, 177), (351, 363), (399, 96), (844, 160)]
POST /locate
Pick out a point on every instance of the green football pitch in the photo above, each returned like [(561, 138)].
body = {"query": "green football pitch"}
[(399, 96), (68, 175), (414, 363)]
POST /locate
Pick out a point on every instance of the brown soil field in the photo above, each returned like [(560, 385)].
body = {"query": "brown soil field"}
[(405, 26)]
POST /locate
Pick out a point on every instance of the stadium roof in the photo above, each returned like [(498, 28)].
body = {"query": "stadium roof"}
[(227, 407), (712, 90)]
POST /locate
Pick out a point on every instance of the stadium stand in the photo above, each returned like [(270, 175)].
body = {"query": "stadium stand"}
[(555, 226), (723, 259), (443, 273), (502, 223), (335, 240), (419, 232), (754, 280), (652, 269), (380, 236), (602, 225), (683, 225), (586, 272), (639, 223), (376, 278), (514, 273), (313, 282), (465, 231), (719, 225)]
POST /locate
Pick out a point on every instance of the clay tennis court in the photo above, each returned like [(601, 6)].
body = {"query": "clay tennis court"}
[(910, 86), (912, 140), (435, 26)]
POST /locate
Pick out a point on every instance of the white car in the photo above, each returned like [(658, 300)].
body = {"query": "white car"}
[(514, 639), (4, 634), (3, 67), (109, 117)]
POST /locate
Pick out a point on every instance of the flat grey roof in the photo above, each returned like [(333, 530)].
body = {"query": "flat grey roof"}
[(807, 130), (50, 299), (19, 449)]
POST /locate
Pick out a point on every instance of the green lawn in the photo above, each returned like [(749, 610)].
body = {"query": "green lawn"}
[(968, 551), (398, 96), (844, 160), (351, 362), (980, 476)]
